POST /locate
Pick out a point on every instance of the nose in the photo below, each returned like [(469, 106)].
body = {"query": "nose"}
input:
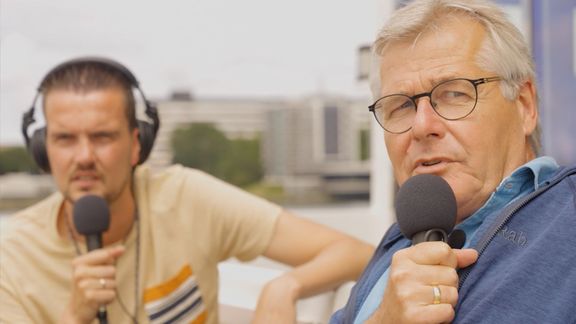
[(85, 153), (427, 123)]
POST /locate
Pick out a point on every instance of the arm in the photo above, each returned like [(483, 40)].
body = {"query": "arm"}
[(414, 271), (323, 259)]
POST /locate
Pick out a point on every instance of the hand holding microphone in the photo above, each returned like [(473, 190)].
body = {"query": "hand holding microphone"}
[(423, 283), (93, 275)]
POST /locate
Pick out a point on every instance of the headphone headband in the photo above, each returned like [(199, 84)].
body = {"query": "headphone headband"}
[(36, 144)]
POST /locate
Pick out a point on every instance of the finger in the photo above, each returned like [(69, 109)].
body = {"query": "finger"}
[(447, 294), (98, 284), (424, 295), (436, 274), (99, 296), (441, 313), (100, 256), (433, 253), (83, 272), (116, 251), (466, 257)]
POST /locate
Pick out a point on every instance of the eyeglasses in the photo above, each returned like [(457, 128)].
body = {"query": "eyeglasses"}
[(452, 100)]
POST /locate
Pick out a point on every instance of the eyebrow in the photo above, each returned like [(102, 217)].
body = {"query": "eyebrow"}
[(91, 133), (441, 78), (435, 80), (59, 134), (104, 133)]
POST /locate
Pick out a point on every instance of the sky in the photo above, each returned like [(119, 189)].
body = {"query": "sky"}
[(212, 48)]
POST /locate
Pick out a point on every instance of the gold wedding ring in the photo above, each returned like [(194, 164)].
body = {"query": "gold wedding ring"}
[(437, 295), (102, 283)]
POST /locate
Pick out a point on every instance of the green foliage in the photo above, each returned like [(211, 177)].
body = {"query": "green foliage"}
[(204, 147), (16, 159), (270, 192), (200, 146), (241, 164), (364, 144)]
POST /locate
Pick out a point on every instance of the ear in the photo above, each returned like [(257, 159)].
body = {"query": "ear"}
[(135, 153), (528, 107)]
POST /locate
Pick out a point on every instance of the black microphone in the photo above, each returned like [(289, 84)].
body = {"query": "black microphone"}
[(426, 209), (92, 218)]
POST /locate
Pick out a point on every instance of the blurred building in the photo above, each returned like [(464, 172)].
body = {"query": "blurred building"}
[(314, 147), (319, 145), (25, 186), (236, 118)]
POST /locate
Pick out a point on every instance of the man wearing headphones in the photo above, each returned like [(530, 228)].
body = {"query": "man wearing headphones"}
[(167, 232)]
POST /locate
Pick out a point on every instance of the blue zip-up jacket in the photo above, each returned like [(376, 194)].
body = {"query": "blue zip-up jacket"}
[(526, 270)]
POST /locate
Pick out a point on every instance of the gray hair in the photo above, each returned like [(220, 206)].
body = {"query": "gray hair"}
[(504, 51)]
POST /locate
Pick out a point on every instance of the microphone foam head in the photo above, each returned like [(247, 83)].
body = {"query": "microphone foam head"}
[(91, 215), (425, 202)]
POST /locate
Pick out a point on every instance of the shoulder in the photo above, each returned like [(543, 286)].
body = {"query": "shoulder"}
[(568, 171), (183, 187), (173, 176), (563, 182), (34, 219)]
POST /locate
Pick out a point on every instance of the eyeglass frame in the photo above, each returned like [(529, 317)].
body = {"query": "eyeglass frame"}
[(475, 82)]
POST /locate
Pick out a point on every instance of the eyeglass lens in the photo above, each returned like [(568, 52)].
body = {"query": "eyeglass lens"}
[(451, 100)]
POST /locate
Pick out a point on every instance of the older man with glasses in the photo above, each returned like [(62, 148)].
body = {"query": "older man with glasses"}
[(455, 94)]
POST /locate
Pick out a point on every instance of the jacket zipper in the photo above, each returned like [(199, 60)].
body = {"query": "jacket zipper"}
[(503, 220)]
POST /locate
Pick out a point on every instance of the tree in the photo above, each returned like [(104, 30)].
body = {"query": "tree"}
[(200, 146), (242, 165), (204, 147), (16, 159), (364, 144)]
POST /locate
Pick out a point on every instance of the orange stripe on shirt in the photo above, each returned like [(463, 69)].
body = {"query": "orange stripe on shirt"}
[(164, 289), (201, 319)]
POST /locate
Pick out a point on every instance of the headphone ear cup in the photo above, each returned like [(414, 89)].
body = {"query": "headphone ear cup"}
[(146, 136), (38, 149)]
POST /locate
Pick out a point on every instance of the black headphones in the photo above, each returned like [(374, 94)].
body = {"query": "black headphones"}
[(147, 131)]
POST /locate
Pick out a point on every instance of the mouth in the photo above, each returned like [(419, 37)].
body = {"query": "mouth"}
[(85, 177), (85, 180), (430, 165)]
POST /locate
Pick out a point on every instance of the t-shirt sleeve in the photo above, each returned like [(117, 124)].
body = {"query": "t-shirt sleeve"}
[(11, 311), (238, 224)]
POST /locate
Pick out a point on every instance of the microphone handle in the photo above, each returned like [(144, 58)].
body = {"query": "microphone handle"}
[(94, 242), (431, 235), (102, 315)]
